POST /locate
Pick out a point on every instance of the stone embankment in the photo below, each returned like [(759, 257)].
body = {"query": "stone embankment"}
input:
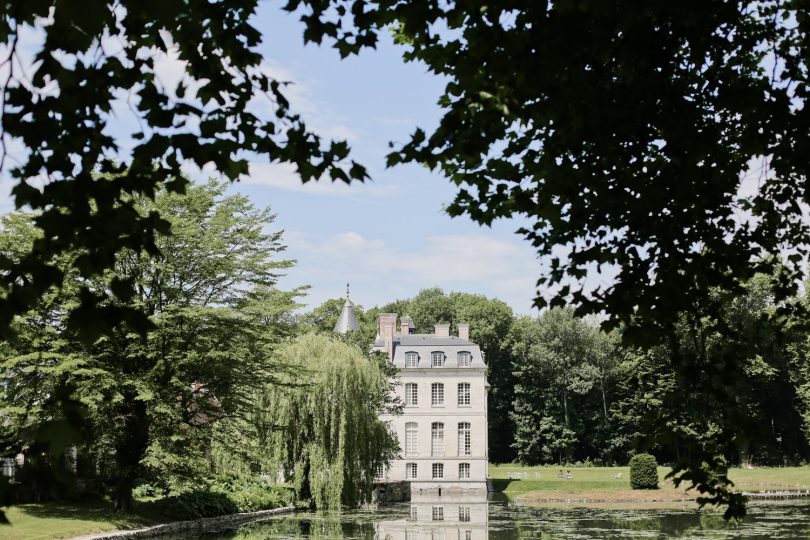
[(196, 526)]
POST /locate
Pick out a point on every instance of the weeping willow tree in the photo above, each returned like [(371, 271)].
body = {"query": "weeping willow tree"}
[(321, 427)]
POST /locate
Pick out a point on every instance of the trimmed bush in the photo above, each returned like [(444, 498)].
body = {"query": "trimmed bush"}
[(643, 472)]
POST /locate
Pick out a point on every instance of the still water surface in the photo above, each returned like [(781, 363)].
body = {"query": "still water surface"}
[(502, 520)]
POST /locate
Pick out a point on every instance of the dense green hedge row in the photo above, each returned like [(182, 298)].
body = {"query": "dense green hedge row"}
[(223, 495)]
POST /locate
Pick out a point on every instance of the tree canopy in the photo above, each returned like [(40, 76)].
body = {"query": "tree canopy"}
[(68, 71), (150, 404)]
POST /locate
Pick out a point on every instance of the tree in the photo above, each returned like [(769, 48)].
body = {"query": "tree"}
[(151, 402), (321, 427), (65, 69), (560, 374), (722, 420), (627, 134)]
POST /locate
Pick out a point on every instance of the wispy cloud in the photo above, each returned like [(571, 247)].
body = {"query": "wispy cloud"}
[(381, 272), (285, 177)]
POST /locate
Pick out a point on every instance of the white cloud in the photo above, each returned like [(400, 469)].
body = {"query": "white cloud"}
[(284, 177), (379, 272)]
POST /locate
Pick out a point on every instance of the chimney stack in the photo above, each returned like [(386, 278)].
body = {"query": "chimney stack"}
[(464, 331), (442, 330), (405, 323), (387, 325)]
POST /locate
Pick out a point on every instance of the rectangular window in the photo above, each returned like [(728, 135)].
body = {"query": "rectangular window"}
[(464, 471), (467, 535), (464, 513), (414, 513), (464, 359), (463, 394), (411, 359), (411, 441), (437, 394), (438, 359), (410, 471), (411, 394), (437, 440), (379, 472), (464, 439), (438, 511)]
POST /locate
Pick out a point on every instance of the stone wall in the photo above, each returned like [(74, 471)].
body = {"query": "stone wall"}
[(204, 525)]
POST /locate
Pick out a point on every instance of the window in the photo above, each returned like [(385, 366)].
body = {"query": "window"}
[(467, 534), (464, 394), (464, 472), (437, 441), (414, 513), (437, 359), (464, 359), (411, 442), (379, 472), (438, 511), (412, 394), (464, 513), (411, 534), (464, 439), (410, 471), (411, 359), (437, 394)]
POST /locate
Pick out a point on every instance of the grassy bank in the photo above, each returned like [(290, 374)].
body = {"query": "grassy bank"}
[(605, 484), (54, 520), (225, 495)]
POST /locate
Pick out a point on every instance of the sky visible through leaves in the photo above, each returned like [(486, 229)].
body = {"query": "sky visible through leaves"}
[(389, 238)]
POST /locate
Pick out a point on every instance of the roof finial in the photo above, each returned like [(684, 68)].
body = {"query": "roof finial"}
[(347, 290)]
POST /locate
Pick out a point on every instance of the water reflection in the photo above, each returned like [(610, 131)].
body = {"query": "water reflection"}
[(461, 519), (455, 517)]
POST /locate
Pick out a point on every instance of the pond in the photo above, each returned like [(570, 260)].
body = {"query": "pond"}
[(466, 520)]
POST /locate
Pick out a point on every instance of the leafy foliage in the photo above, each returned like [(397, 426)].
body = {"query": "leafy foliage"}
[(68, 72), (630, 136), (152, 404), (563, 371), (321, 428), (643, 472)]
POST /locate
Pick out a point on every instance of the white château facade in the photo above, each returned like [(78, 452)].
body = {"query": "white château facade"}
[(443, 429)]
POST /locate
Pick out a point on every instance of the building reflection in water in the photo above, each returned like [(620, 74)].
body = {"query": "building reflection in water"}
[(451, 517)]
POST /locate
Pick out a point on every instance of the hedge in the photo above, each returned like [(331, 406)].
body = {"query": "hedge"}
[(643, 472), (225, 496)]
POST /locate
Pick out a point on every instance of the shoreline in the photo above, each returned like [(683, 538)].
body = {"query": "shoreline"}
[(203, 525)]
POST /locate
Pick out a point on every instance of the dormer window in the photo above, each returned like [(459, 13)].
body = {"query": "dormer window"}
[(438, 359), (464, 359), (411, 359)]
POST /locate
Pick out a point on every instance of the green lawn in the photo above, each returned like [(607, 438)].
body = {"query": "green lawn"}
[(545, 478), (45, 521)]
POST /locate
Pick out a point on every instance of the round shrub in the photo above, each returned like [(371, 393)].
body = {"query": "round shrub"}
[(643, 472)]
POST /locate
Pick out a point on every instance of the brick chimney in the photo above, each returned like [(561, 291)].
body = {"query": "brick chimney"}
[(464, 331), (387, 323), (442, 330), (405, 325)]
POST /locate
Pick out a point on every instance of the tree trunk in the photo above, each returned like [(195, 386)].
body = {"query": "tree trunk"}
[(604, 401), (123, 493), (129, 450)]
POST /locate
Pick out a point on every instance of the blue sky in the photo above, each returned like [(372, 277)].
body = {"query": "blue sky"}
[(388, 237)]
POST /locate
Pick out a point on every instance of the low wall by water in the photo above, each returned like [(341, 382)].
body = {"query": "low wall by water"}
[(193, 526)]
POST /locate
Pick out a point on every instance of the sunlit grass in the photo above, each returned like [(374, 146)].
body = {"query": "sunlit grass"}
[(57, 520)]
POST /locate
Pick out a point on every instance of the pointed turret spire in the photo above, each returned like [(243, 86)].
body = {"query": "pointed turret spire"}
[(347, 322)]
